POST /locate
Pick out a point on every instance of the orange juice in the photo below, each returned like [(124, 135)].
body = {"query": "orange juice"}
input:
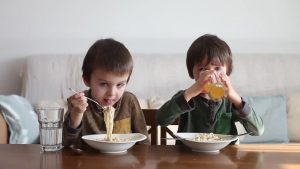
[(207, 87), (217, 91)]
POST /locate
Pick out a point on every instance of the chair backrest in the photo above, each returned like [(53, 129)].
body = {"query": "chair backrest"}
[(150, 116), (164, 130)]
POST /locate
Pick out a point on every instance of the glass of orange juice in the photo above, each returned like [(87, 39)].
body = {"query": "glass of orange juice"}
[(216, 90)]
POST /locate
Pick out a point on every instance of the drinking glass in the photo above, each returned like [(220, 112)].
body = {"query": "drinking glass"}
[(51, 123), (215, 89)]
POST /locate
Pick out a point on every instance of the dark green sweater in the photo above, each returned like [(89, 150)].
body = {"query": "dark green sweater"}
[(205, 116)]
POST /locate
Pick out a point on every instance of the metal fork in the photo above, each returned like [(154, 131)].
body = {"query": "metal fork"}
[(237, 135)]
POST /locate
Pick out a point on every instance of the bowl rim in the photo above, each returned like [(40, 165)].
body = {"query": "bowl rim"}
[(208, 142), (140, 135)]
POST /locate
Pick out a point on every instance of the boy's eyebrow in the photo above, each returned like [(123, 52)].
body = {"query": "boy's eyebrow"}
[(216, 62), (124, 81), (202, 67), (102, 80)]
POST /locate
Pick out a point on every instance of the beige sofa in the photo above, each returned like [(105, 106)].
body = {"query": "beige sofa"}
[(156, 77)]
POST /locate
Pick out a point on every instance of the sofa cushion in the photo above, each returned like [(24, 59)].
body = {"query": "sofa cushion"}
[(155, 102), (293, 116), (21, 119), (143, 103), (272, 109)]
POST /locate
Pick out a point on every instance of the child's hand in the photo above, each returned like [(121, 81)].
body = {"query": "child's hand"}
[(77, 105), (232, 95), (226, 81), (198, 86)]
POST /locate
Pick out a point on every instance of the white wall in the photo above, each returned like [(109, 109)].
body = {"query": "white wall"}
[(156, 26)]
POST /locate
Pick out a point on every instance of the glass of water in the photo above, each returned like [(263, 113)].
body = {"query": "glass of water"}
[(51, 124)]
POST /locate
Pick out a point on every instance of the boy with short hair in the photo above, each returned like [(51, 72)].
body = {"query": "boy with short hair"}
[(106, 69)]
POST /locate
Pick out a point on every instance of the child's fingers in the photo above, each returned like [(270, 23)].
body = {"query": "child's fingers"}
[(78, 95), (224, 78), (80, 108), (206, 72), (205, 76), (78, 101)]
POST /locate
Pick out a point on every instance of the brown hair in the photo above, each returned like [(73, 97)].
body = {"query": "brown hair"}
[(208, 47), (109, 55)]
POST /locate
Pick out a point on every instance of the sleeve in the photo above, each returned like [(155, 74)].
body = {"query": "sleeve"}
[(70, 135), (138, 123), (249, 119), (173, 108)]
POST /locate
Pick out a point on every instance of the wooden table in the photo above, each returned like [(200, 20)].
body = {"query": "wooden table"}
[(263, 156)]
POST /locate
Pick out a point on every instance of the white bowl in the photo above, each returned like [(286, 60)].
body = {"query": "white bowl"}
[(97, 141), (205, 146)]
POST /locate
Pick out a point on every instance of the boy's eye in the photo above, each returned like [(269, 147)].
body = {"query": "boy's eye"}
[(202, 69), (103, 84), (218, 68), (121, 85)]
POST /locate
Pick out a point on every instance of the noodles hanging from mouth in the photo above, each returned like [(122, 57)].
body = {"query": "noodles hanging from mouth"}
[(109, 113)]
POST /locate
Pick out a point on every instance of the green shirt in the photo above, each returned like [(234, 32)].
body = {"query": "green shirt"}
[(201, 115)]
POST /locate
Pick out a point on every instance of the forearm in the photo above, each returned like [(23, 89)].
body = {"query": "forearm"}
[(235, 98), (173, 108), (70, 135), (250, 120), (75, 119)]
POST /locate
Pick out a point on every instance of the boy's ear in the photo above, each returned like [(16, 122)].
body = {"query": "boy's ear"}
[(86, 81)]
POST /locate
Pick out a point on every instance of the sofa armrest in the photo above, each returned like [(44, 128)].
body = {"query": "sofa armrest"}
[(3, 130)]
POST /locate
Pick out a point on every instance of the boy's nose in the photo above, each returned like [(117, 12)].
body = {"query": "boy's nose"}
[(112, 90)]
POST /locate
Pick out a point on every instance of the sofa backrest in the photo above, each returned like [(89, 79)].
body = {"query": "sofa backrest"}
[(48, 77), (157, 77)]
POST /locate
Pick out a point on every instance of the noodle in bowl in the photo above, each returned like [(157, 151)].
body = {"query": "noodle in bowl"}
[(120, 143), (206, 142)]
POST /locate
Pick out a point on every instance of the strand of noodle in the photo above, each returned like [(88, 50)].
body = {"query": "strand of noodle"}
[(109, 113)]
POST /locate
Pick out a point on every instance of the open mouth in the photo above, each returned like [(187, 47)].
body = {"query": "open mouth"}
[(108, 102)]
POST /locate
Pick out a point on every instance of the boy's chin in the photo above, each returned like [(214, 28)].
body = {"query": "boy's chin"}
[(109, 104)]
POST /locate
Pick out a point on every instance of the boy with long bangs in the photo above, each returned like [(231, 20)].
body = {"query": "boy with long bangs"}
[(195, 108)]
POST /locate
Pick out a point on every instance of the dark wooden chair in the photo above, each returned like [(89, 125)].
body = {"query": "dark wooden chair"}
[(164, 130), (150, 116)]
